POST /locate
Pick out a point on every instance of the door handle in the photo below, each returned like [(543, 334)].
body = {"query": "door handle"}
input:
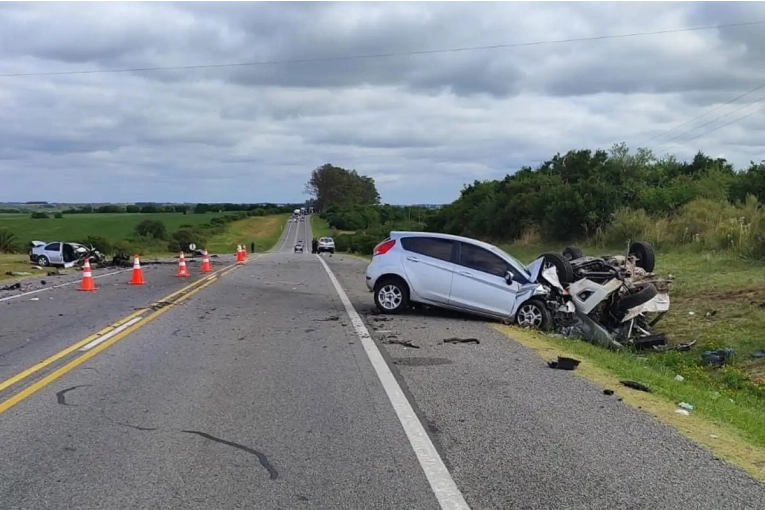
[(465, 273), (413, 259)]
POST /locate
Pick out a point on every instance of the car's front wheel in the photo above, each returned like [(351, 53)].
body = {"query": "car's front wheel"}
[(391, 295), (534, 314), (43, 261)]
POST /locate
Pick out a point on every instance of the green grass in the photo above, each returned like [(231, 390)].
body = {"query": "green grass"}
[(77, 226), (320, 227), (264, 231)]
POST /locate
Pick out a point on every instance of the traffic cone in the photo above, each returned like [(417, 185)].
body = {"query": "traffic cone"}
[(87, 278), (244, 249), (239, 254), (206, 266), (182, 271), (137, 278)]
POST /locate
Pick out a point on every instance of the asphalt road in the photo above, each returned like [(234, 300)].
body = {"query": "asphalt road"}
[(257, 389)]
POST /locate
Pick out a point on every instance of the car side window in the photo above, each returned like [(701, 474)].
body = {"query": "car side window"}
[(440, 249), (53, 247), (475, 257)]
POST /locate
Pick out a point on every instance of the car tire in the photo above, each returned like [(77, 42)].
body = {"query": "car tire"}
[(572, 253), (644, 253), (534, 314), (637, 297), (43, 261), (391, 295), (562, 265)]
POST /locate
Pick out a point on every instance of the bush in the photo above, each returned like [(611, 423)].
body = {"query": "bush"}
[(101, 244), (183, 237), (58, 215), (39, 215), (155, 229), (8, 242)]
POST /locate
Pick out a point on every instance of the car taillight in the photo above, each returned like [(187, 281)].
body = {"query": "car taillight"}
[(384, 247)]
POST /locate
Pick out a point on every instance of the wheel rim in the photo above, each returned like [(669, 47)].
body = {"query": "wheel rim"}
[(530, 315), (390, 297), (42, 261)]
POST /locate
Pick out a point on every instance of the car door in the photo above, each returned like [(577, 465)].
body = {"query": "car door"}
[(479, 282), (53, 252), (428, 266)]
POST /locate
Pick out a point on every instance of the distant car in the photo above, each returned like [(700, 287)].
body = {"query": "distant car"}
[(299, 247), (326, 244)]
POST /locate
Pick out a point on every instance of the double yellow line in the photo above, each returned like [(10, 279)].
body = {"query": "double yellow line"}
[(172, 300)]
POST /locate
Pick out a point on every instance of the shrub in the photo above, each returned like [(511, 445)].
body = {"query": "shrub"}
[(151, 228), (8, 242), (183, 237), (39, 215), (58, 215), (101, 244)]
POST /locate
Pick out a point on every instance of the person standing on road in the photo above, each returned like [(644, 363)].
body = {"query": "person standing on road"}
[(314, 245), (252, 247)]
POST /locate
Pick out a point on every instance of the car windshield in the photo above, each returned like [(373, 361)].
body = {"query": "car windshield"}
[(512, 259)]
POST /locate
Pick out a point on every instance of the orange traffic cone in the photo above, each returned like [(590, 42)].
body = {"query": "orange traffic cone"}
[(239, 254), (244, 250), (87, 278), (137, 278), (206, 266), (182, 271)]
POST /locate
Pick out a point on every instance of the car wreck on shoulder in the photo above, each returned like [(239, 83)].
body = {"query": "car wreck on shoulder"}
[(606, 300), (63, 254), (618, 298)]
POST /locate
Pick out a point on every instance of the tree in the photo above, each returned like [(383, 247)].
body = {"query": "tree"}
[(332, 186)]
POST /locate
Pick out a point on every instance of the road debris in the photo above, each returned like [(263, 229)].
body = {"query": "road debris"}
[(718, 357), (564, 363), (405, 343), (682, 412), (14, 286), (330, 318), (608, 392), (462, 341), (636, 386)]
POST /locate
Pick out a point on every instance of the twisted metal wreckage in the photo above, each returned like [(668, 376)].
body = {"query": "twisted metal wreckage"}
[(612, 301)]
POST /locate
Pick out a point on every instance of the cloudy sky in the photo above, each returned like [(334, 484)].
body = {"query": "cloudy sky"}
[(421, 125)]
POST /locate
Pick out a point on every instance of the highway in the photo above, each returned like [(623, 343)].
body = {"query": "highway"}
[(274, 385)]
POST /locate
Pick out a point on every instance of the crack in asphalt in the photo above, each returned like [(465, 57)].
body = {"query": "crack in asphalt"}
[(62, 399), (261, 456)]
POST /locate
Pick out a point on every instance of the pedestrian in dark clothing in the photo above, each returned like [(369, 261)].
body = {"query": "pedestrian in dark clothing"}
[(314, 245), (252, 247)]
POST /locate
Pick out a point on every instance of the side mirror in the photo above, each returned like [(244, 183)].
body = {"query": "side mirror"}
[(509, 277)]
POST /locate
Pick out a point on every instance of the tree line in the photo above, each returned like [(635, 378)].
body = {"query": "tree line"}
[(602, 196)]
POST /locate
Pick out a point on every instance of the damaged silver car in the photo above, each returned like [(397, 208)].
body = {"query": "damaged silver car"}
[(62, 254), (466, 275)]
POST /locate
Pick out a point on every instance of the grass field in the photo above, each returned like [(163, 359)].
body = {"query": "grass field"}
[(320, 227), (77, 226), (264, 231)]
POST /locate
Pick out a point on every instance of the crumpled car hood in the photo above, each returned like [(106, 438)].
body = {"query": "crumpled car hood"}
[(548, 276)]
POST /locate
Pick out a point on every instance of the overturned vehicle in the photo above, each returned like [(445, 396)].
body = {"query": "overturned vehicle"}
[(617, 299)]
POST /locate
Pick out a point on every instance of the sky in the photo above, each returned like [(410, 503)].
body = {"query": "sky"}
[(421, 125)]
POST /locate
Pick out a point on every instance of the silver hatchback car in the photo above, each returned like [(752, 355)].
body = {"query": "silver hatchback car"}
[(462, 274)]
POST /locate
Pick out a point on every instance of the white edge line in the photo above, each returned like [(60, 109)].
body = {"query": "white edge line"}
[(61, 285), (445, 489), (107, 336)]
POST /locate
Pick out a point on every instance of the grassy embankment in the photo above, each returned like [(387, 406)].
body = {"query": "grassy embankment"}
[(264, 231), (729, 402)]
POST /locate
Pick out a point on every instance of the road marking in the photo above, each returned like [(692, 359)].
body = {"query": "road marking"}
[(39, 366), (110, 334), (286, 236), (60, 285), (15, 399), (441, 481)]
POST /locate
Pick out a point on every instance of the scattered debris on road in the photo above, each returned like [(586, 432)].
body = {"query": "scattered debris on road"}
[(718, 357), (14, 286), (608, 392), (330, 318), (405, 343), (462, 341), (564, 363)]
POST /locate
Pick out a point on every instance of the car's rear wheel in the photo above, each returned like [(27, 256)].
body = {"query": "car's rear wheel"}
[(534, 314), (391, 295)]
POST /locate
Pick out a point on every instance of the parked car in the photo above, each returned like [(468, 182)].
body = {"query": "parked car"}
[(463, 274), (326, 244)]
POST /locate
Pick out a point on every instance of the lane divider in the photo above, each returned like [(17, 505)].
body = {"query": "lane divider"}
[(110, 334), (109, 330)]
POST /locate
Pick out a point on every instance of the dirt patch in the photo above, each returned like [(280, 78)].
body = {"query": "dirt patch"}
[(747, 295)]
